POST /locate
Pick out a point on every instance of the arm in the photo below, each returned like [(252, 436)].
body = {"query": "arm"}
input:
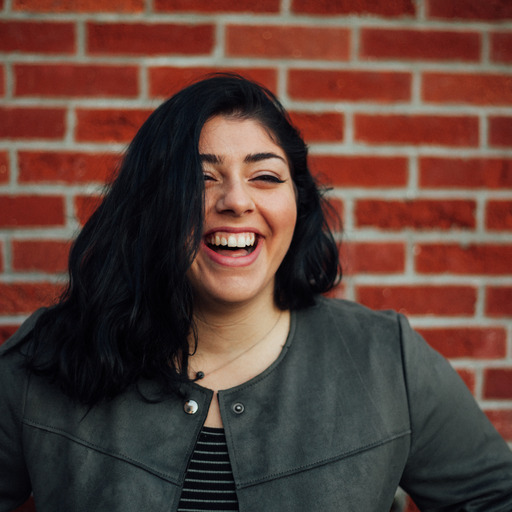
[(457, 462)]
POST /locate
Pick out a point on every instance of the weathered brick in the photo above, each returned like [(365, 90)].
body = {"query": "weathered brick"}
[(1, 257), (65, 167), (378, 43), (32, 123), (108, 125), (31, 210), (37, 37), (417, 129), (2, 80), (75, 80), (497, 383), (373, 257), (360, 171), (4, 167), (296, 42), (24, 298), (166, 81), (149, 39), (85, 207), (379, 86), (498, 215), (502, 421), (116, 6), (501, 47), (470, 9), (376, 7), (493, 173), (488, 89), (219, 6), (500, 131), (319, 126), (40, 255), (498, 301), (468, 342), (417, 214), (441, 300), (482, 259)]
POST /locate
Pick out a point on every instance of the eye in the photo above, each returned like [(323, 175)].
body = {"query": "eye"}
[(268, 178), (208, 177)]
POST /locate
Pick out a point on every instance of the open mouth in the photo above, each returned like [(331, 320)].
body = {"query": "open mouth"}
[(232, 244)]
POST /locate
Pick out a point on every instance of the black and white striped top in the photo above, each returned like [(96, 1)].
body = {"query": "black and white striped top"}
[(209, 484)]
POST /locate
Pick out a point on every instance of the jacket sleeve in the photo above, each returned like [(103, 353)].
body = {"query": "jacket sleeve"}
[(15, 484), (457, 461)]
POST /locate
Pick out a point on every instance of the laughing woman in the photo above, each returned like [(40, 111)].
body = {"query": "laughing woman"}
[(192, 363)]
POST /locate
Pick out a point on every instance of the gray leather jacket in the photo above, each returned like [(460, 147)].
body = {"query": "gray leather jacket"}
[(355, 405)]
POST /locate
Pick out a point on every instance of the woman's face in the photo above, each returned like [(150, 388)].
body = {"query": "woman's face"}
[(250, 213)]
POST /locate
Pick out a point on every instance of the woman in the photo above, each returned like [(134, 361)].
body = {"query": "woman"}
[(193, 365)]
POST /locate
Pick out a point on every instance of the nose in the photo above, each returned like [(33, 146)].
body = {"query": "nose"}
[(234, 198)]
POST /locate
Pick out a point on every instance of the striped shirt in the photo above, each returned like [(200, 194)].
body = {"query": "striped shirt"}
[(209, 484)]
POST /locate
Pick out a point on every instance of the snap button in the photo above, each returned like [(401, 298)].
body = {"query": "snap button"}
[(238, 408), (190, 407)]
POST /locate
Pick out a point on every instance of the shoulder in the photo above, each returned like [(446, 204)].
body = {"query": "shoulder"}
[(22, 334)]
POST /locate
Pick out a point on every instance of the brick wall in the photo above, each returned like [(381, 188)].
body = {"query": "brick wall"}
[(406, 106)]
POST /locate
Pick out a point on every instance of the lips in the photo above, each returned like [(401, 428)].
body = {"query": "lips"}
[(229, 248)]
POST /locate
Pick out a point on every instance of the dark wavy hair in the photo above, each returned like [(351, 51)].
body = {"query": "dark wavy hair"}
[(127, 312)]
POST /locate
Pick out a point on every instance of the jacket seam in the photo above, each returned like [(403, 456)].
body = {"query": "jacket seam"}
[(323, 462), (97, 448)]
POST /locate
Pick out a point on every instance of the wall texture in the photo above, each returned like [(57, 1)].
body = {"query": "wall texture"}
[(406, 106)]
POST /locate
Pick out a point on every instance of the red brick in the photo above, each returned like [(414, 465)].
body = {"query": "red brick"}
[(373, 257), (497, 383), (6, 331), (498, 301), (4, 167), (166, 81), (360, 171), (149, 39), (482, 259), (32, 123), (501, 47), (85, 207), (70, 80), (2, 81), (470, 342), (500, 131), (249, 6), (1, 257), (417, 129), (23, 298), (379, 86), (419, 44), (65, 167), (417, 214), (376, 7), (470, 9), (335, 213), (37, 37), (502, 421), (467, 88), (420, 300), (43, 255), (326, 43), (498, 215), (108, 125), (469, 378), (319, 126), (116, 6), (493, 173), (30, 210)]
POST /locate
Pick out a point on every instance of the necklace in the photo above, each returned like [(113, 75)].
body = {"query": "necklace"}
[(201, 375)]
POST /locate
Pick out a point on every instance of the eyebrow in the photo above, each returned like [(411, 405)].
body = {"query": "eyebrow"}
[(251, 158)]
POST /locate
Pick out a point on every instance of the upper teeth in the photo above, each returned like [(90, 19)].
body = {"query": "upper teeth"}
[(232, 239)]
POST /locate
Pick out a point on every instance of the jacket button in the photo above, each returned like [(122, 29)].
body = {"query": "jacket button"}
[(238, 408), (190, 407)]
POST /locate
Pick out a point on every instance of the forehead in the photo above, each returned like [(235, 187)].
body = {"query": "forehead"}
[(233, 134)]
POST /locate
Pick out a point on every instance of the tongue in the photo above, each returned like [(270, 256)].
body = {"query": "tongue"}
[(233, 253)]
